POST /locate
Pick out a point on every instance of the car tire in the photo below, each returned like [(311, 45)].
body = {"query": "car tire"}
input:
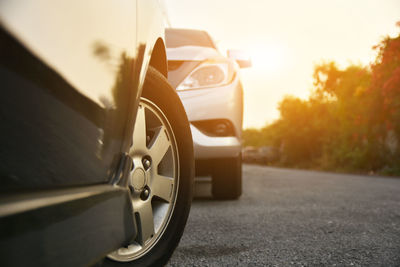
[(159, 96), (227, 178)]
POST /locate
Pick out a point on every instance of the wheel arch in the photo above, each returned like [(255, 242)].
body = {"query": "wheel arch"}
[(158, 59)]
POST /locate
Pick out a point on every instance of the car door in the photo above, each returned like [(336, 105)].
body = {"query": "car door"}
[(68, 74)]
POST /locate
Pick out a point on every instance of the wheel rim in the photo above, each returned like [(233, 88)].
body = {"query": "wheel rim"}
[(153, 181)]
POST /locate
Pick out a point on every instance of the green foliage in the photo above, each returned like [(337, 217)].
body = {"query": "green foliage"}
[(351, 121), (252, 137)]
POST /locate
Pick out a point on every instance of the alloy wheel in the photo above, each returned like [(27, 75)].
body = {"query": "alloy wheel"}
[(153, 180)]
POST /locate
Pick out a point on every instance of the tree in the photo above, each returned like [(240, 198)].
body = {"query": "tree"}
[(351, 121)]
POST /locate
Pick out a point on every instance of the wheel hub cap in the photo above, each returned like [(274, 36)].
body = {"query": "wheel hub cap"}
[(138, 179)]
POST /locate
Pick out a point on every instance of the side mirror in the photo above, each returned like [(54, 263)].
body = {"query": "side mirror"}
[(240, 57)]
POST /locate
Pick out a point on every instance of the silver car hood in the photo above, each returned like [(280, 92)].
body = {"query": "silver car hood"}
[(191, 53)]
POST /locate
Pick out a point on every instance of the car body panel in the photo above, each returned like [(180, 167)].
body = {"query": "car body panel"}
[(69, 227), (85, 64), (50, 30), (191, 53), (72, 73)]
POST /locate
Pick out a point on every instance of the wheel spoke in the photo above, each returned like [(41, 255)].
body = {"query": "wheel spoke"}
[(139, 132), (162, 187), (146, 228), (160, 145)]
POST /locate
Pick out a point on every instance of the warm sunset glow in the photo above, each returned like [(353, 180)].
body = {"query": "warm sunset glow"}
[(269, 58), (285, 39)]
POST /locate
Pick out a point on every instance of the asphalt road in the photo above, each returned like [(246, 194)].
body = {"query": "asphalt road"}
[(295, 218)]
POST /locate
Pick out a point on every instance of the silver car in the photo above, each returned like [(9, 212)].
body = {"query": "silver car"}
[(209, 86)]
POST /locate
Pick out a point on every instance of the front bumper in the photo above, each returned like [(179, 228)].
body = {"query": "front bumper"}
[(225, 102), (207, 147)]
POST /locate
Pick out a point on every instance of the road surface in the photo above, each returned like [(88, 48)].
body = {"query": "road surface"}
[(295, 218)]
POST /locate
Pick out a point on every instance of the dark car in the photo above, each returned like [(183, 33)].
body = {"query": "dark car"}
[(96, 153), (250, 154)]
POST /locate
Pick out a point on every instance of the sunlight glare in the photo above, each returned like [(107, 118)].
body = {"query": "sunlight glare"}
[(269, 58)]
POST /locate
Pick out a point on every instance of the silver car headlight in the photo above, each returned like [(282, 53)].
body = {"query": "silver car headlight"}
[(208, 74)]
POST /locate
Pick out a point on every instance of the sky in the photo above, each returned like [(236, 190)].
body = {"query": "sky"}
[(285, 40)]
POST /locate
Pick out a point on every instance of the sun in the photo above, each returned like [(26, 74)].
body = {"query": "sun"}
[(268, 58)]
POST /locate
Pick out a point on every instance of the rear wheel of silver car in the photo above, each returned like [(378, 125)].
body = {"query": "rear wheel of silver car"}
[(227, 178), (160, 181)]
